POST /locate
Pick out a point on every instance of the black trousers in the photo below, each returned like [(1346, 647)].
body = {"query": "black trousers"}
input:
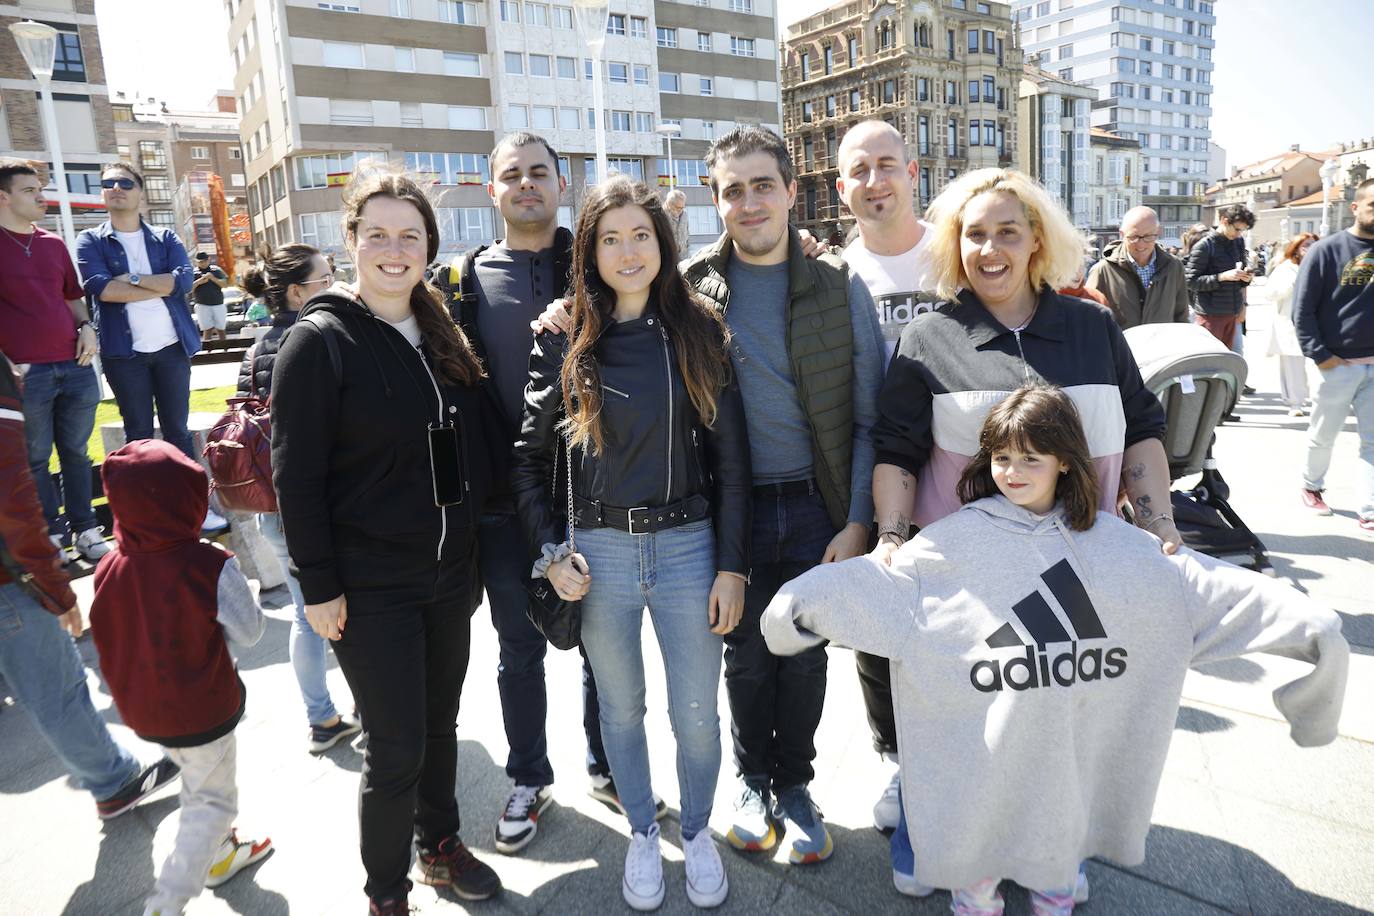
[(404, 653), (776, 702), (875, 682)]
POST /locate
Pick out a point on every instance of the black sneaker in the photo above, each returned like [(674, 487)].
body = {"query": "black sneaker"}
[(452, 865), (602, 788), (137, 789), (323, 737)]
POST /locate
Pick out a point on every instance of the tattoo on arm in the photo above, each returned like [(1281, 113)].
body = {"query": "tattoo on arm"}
[(1136, 471), (1142, 507), (906, 480)]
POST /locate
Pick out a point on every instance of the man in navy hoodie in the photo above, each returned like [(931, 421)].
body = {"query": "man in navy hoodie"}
[(1333, 309)]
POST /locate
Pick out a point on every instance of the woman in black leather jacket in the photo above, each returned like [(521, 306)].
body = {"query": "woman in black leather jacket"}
[(643, 393)]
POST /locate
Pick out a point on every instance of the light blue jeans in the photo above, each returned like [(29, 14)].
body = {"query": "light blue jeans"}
[(309, 655), (40, 662), (670, 573), (1342, 388)]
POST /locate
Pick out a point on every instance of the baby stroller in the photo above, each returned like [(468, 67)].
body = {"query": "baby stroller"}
[(1197, 380)]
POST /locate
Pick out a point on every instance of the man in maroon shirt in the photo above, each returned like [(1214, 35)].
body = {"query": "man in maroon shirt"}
[(46, 329)]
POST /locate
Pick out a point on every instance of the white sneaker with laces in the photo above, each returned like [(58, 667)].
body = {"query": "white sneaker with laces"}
[(707, 885), (908, 885), (91, 545), (643, 885), (214, 522), (1080, 886), (887, 812)]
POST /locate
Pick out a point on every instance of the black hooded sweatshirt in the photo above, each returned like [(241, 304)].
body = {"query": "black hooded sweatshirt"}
[(350, 454)]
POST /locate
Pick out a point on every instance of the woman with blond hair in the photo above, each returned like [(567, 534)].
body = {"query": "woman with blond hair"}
[(1000, 248), (381, 464), (1283, 337)]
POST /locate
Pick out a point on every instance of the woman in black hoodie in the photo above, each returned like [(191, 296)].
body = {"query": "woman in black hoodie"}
[(380, 464)]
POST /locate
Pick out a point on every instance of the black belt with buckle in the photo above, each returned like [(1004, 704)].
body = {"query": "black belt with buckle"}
[(640, 519)]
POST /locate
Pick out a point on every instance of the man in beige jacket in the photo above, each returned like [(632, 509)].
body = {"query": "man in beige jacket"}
[(1143, 283)]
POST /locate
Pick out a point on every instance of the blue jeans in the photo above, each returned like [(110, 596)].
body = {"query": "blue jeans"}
[(59, 409), (1341, 389), (145, 379), (39, 660), (776, 702), (671, 573), (505, 563), (309, 654)]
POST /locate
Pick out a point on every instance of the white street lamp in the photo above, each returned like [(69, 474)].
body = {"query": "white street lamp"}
[(1283, 229), (38, 43), (592, 18), (670, 131), (1328, 175)]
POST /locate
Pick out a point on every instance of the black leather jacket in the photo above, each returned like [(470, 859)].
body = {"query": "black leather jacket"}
[(255, 372), (657, 451)]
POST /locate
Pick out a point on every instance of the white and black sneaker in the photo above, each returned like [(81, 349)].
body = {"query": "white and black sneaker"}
[(323, 737), (520, 821), (643, 885), (602, 788), (91, 544)]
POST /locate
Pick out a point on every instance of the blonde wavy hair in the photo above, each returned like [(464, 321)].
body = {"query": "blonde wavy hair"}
[(1054, 265)]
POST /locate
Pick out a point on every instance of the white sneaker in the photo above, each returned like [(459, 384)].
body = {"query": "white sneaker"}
[(1080, 885), (908, 885), (91, 545), (57, 542), (214, 522), (887, 812), (707, 884), (643, 884)]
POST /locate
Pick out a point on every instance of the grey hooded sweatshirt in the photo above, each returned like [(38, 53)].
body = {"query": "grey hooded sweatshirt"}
[(1036, 674)]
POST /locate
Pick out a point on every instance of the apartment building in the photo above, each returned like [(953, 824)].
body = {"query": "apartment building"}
[(80, 100), (1053, 116), (1267, 188), (945, 74), (1151, 61), (1115, 185), (170, 147), (431, 84)]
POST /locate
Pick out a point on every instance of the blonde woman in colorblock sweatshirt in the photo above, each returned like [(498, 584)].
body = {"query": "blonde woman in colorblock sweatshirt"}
[(1038, 670)]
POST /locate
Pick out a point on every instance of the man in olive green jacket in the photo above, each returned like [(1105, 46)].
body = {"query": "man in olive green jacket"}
[(1143, 283)]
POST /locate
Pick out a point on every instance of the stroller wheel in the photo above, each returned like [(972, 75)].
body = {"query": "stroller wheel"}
[(1202, 494)]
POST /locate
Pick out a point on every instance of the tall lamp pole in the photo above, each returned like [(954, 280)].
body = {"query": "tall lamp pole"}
[(1328, 175), (592, 17), (670, 131), (38, 43)]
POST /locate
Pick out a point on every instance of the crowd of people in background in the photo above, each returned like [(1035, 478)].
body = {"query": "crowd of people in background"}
[(766, 443)]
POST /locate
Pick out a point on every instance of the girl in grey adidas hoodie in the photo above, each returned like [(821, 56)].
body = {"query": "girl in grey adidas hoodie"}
[(1043, 697)]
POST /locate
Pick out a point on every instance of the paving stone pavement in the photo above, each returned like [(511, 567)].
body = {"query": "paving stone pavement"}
[(1245, 822)]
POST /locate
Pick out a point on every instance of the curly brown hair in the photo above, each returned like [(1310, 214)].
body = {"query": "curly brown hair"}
[(697, 330), (1042, 418)]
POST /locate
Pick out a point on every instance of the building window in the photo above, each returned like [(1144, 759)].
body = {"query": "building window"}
[(708, 130), (639, 27), (972, 91), (343, 54), (808, 112), (542, 117), (989, 89), (537, 14), (465, 224), (644, 122), (510, 11), (234, 153), (620, 121), (517, 116), (853, 50), (641, 74), (450, 168), (704, 41), (200, 152), (889, 91), (323, 171), (151, 154), (541, 65), (669, 82), (855, 100), (989, 133), (566, 67), (989, 41), (744, 47), (462, 64), (741, 6), (884, 36), (68, 64), (973, 41), (157, 189), (515, 63), (165, 219), (973, 133), (458, 12), (691, 172), (830, 106), (563, 17), (951, 92), (922, 89), (466, 117), (322, 231), (923, 137), (804, 60), (618, 72), (667, 38), (707, 86), (405, 60)]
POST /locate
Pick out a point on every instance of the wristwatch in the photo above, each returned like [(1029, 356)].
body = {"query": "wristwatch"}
[(134, 279), (82, 326)]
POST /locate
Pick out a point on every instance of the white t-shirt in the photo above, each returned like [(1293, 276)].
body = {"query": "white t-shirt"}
[(409, 328), (149, 320), (902, 285)]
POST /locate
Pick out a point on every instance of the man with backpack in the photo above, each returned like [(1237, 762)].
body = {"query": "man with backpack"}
[(494, 293)]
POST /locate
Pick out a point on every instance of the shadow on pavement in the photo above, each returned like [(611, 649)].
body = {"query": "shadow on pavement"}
[(1240, 670), (1200, 721)]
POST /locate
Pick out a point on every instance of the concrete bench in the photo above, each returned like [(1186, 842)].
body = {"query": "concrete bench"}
[(256, 556)]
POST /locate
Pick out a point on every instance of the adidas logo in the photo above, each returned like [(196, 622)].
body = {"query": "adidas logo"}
[(1035, 668)]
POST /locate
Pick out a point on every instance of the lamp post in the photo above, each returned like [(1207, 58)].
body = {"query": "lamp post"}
[(592, 17), (1328, 175), (670, 131), (38, 43), (1283, 230)]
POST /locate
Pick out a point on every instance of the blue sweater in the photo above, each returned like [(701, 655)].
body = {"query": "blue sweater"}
[(1333, 300)]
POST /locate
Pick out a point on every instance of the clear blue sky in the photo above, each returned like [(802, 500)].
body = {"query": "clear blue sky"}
[(1286, 71)]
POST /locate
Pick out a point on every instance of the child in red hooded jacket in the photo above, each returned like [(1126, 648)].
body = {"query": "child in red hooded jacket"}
[(164, 602)]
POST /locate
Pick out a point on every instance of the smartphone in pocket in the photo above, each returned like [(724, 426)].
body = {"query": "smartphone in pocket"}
[(446, 464)]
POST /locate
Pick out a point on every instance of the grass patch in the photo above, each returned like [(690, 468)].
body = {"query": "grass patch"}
[(206, 400)]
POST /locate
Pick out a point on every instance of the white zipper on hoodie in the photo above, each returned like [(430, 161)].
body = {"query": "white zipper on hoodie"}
[(443, 510)]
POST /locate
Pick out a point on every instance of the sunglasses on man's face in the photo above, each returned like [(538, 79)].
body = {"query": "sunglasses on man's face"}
[(124, 184)]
